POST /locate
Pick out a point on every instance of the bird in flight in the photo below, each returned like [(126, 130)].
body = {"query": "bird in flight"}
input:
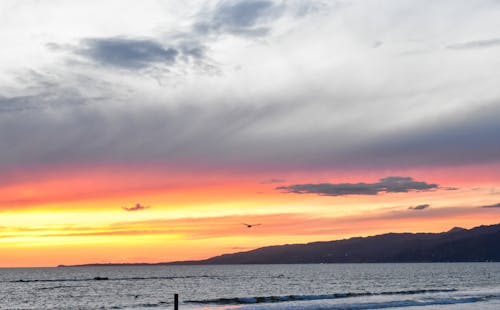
[(250, 225)]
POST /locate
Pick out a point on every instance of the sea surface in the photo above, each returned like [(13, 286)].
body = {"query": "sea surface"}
[(308, 286)]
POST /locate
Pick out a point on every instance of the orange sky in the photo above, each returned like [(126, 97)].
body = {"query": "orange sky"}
[(75, 216)]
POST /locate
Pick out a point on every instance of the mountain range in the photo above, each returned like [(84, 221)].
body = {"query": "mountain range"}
[(479, 244)]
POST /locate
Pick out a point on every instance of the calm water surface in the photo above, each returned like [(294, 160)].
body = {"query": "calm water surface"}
[(328, 286)]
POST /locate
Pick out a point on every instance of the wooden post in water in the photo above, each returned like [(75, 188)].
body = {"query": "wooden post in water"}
[(176, 301)]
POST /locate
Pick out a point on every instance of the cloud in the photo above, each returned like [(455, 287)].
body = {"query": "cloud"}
[(128, 53), (229, 131), (272, 181), (192, 49), (495, 42), (46, 100), (386, 185), (492, 206), (241, 17), (235, 118), (419, 207), (18, 103), (241, 13), (137, 207), (460, 139)]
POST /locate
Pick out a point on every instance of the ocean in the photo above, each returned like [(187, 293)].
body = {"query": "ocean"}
[(245, 287)]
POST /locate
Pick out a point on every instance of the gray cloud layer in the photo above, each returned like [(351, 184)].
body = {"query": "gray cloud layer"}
[(312, 93), (221, 135), (385, 185)]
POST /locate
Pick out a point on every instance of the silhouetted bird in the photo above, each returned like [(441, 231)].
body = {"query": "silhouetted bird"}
[(250, 225)]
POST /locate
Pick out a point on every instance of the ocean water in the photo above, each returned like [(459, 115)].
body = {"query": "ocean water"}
[(245, 287)]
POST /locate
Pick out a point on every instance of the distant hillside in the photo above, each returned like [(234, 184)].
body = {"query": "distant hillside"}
[(478, 244)]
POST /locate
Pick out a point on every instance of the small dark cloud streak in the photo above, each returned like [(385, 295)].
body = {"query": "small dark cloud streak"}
[(134, 54), (137, 207), (492, 206), (240, 17), (495, 42), (127, 53), (63, 98), (393, 184), (272, 181), (420, 207)]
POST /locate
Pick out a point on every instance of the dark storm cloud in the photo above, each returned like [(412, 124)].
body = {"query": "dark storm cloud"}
[(127, 53), (386, 185), (420, 207), (137, 207), (492, 206), (240, 17), (495, 42)]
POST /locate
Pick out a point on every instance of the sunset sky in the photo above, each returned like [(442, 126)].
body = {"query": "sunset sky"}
[(149, 131)]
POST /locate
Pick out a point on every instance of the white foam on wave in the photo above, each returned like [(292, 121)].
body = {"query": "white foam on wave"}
[(288, 298), (487, 297)]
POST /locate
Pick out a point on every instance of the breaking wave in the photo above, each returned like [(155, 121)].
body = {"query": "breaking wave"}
[(284, 298), (383, 304)]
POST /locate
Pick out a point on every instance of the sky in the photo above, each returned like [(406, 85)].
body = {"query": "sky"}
[(149, 131)]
